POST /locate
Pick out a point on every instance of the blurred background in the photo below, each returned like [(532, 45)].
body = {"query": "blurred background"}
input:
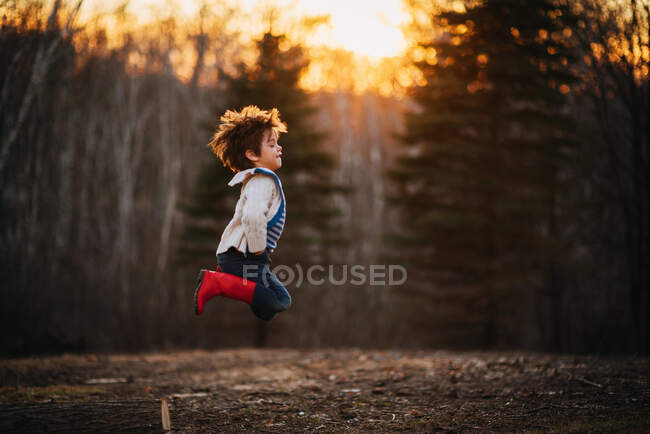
[(499, 150)]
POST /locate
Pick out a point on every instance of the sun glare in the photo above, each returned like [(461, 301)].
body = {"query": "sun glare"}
[(358, 48), (368, 28)]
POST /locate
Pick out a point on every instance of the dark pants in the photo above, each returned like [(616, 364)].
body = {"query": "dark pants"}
[(270, 296)]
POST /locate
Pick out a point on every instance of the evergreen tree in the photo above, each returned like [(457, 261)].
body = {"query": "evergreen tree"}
[(209, 210), (479, 183), (306, 168), (272, 81)]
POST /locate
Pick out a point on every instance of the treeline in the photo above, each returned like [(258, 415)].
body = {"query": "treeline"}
[(518, 196), (523, 189), (96, 155), (94, 159), (111, 202)]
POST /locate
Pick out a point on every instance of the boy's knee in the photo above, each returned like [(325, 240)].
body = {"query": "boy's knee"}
[(266, 307), (279, 305)]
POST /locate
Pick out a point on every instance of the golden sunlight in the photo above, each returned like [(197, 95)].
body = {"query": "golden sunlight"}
[(357, 45), (368, 28)]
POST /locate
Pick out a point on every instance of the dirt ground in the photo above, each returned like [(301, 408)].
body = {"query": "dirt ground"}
[(325, 390)]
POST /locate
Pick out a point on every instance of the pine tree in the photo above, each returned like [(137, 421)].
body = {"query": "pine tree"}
[(310, 230), (306, 168), (273, 82), (209, 210), (479, 182)]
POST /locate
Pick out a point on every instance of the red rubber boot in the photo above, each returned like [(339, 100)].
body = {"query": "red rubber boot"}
[(212, 283)]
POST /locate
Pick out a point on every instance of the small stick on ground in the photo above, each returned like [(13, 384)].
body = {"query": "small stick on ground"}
[(164, 411), (584, 380)]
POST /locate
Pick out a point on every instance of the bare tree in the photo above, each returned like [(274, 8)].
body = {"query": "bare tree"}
[(616, 42), (45, 55)]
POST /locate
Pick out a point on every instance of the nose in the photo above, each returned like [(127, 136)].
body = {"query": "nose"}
[(280, 146)]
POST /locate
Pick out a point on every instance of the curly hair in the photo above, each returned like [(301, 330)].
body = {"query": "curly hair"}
[(243, 130)]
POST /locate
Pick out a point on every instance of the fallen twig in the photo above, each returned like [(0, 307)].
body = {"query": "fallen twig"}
[(164, 411), (584, 380)]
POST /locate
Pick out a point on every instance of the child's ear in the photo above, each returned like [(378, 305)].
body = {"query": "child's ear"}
[(250, 154)]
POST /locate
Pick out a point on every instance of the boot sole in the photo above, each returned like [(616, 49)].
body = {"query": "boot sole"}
[(196, 292)]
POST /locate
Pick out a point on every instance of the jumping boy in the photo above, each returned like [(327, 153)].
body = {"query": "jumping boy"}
[(246, 142)]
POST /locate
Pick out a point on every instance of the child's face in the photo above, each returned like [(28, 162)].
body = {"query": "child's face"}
[(270, 152)]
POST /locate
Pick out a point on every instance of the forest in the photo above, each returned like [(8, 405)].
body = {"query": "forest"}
[(503, 160)]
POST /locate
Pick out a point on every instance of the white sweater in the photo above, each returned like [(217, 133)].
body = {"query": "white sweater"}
[(258, 202)]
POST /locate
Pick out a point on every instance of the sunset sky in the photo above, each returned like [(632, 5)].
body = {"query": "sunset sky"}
[(368, 27), (369, 32)]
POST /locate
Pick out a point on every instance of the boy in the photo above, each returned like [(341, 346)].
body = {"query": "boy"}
[(246, 142)]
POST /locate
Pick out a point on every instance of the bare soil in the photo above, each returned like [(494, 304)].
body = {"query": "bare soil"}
[(286, 390)]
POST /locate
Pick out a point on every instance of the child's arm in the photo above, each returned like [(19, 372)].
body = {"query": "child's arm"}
[(258, 192)]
